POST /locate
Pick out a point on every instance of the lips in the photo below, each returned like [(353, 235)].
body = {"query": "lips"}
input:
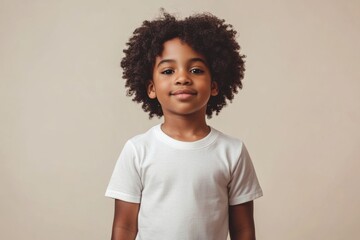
[(183, 91)]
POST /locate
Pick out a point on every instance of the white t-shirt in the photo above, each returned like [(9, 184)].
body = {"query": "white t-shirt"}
[(184, 188)]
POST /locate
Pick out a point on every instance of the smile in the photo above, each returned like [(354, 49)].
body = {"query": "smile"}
[(183, 92)]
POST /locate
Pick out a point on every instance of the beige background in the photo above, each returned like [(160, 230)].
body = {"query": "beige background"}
[(65, 116)]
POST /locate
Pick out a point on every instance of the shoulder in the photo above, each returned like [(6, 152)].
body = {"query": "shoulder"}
[(226, 140), (139, 143), (230, 146), (143, 138), (138, 146)]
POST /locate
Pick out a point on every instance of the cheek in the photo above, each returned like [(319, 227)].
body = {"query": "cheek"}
[(162, 89)]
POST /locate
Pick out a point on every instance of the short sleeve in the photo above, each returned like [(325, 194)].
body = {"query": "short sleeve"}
[(125, 182), (244, 185)]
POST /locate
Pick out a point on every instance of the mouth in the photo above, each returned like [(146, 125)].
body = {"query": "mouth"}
[(183, 92)]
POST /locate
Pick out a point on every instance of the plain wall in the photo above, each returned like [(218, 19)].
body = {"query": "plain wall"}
[(64, 115)]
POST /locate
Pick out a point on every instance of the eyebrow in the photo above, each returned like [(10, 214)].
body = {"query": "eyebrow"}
[(191, 60)]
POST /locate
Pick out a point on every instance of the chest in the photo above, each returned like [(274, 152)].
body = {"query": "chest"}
[(203, 172)]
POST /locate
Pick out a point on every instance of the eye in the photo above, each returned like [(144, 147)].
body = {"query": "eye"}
[(197, 71), (167, 72)]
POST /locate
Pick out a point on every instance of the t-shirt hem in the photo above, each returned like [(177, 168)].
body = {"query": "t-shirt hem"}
[(122, 196), (246, 198)]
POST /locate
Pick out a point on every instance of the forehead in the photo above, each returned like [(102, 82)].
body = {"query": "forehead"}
[(177, 49)]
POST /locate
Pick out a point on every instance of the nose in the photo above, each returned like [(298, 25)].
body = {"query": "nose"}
[(183, 78)]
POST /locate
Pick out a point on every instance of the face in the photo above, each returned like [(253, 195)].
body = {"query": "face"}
[(181, 80)]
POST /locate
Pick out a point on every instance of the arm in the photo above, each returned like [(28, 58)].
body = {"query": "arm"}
[(241, 221), (125, 220)]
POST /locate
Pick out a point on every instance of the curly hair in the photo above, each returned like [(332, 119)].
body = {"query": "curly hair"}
[(206, 34)]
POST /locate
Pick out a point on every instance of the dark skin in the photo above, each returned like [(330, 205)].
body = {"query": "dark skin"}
[(181, 68), (125, 227), (241, 221)]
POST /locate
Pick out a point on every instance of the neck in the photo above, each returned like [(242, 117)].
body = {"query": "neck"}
[(185, 128)]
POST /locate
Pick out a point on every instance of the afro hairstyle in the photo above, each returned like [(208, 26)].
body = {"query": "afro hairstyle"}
[(206, 34)]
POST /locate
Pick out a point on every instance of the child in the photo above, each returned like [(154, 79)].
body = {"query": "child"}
[(183, 180)]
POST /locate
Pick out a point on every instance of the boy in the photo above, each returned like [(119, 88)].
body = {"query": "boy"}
[(183, 180)]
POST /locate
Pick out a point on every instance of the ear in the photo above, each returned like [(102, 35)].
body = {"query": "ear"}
[(214, 88), (151, 90)]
